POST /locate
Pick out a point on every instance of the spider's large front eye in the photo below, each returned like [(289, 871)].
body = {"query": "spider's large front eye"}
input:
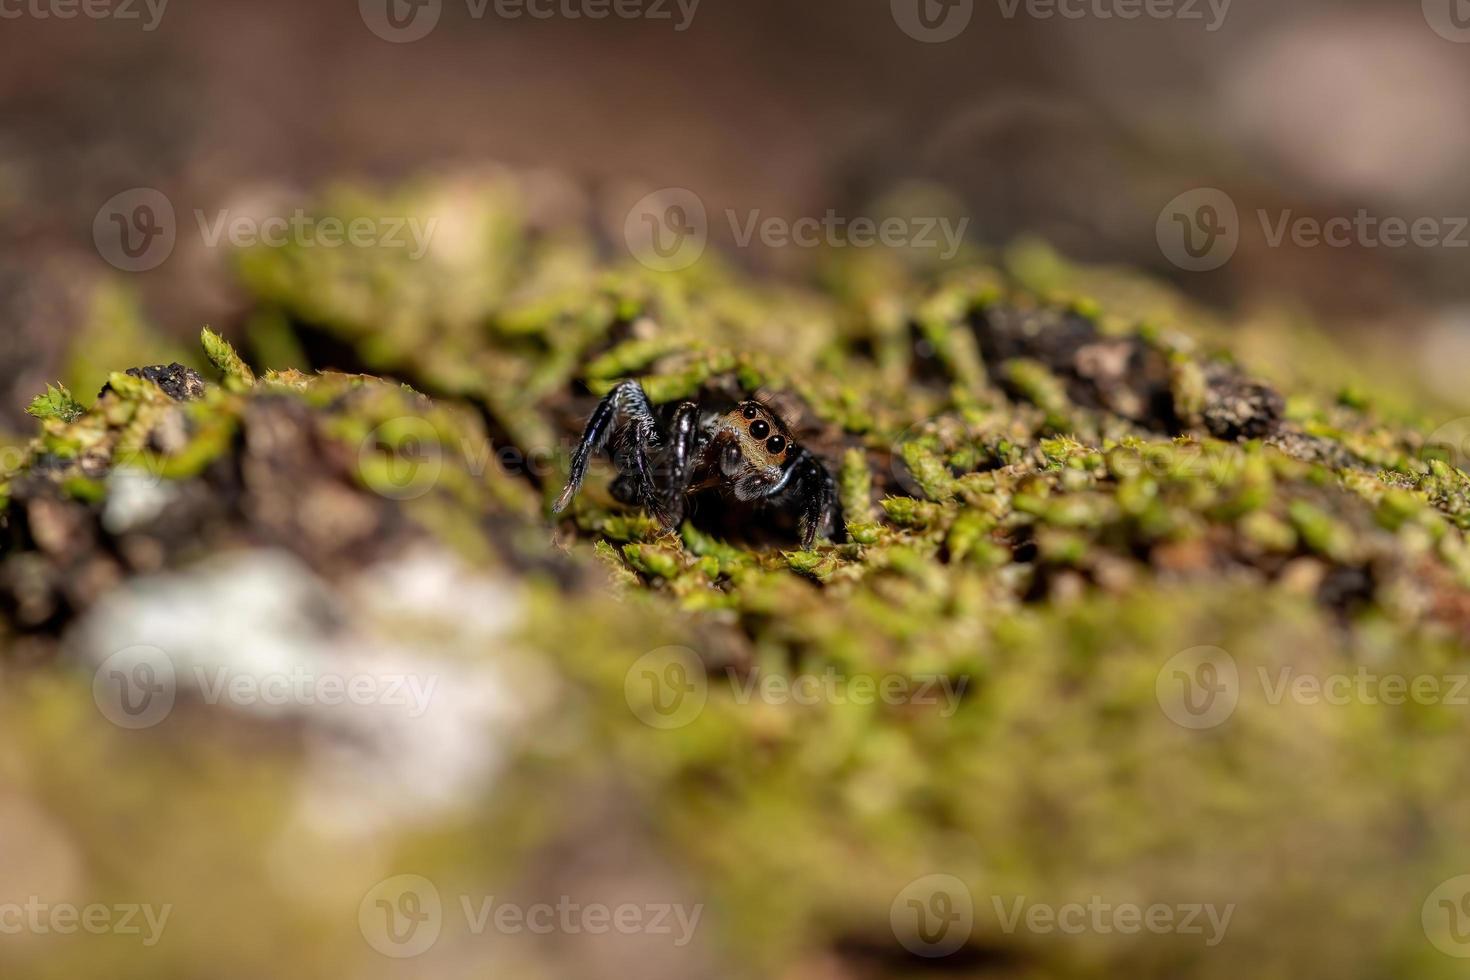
[(750, 412), (760, 428), (774, 445)]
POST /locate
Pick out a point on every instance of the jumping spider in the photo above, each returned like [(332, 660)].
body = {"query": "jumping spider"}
[(737, 452)]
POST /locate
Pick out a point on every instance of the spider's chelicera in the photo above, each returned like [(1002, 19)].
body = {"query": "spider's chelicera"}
[(738, 452)]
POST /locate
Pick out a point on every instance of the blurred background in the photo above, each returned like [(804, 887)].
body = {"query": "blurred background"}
[(1076, 128)]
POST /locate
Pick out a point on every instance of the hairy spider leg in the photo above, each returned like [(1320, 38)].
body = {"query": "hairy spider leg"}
[(633, 444), (684, 447), (812, 484), (626, 398)]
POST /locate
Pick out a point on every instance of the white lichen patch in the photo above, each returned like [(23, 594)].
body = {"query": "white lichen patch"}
[(134, 498), (404, 681)]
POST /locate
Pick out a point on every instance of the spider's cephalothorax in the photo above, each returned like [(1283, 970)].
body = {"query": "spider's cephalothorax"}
[(740, 453)]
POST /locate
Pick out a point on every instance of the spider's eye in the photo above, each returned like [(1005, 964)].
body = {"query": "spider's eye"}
[(749, 412), (774, 445), (760, 428)]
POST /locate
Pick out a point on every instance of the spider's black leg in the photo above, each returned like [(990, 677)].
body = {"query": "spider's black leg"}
[(631, 448), (683, 448), (626, 397), (809, 483)]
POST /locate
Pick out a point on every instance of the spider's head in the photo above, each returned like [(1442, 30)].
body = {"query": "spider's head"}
[(758, 451)]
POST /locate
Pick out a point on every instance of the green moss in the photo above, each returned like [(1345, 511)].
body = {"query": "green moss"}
[(57, 403), (653, 560), (1047, 559), (235, 372)]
